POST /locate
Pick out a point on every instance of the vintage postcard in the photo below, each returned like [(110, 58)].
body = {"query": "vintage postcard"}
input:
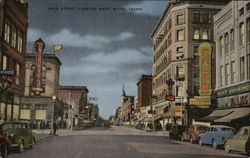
[(124, 78)]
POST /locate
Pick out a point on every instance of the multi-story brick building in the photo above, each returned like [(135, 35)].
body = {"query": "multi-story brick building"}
[(127, 107), (232, 36), (13, 28), (144, 93), (185, 24)]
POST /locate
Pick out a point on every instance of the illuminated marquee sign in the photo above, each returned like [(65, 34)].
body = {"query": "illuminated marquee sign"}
[(205, 53), (39, 48), (200, 101)]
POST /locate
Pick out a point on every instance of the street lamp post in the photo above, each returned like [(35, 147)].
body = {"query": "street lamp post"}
[(53, 111)]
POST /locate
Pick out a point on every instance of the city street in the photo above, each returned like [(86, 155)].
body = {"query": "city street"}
[(117, 142)]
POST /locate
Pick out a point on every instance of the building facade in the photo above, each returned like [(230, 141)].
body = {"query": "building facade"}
[(127, 107), (232, 36), (185, 24), (40, 108), (13, 28), (76, 97)]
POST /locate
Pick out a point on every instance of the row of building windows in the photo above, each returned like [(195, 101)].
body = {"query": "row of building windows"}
[(163, 49), (242, 11), (13, 35), (228, 71), (198, 17), (11, 65), (226, 42)]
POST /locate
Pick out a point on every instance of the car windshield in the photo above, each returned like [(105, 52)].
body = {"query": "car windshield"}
[(13, 126), (227, 129)]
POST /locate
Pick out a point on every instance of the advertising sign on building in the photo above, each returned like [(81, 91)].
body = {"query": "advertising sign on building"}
[(39, 48), (205, 53)]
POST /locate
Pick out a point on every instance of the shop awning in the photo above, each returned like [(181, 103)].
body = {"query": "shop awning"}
[(157, 118), (216, 114), (236, 114)]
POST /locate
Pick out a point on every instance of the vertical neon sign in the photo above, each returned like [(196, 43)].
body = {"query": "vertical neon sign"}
[(39, 48), (205, 53)]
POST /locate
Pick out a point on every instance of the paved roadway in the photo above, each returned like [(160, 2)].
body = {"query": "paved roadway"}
[(117, 142)]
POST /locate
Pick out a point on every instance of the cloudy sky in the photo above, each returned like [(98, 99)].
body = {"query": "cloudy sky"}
[(106, 43)]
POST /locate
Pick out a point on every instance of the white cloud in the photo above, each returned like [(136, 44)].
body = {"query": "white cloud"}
[(70, 39), (35, 34), (153, 8), (119, 57)]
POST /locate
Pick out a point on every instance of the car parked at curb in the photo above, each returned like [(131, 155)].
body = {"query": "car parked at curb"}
[(5, 145), (216, 135), (176, 131), (20, 134), (192, 134), (240, 142)]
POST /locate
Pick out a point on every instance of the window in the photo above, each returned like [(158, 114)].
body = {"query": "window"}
[(227, 74), (248, 66), (242, 34), (222, 46), (179, 53), (196, 33), (180, 19), (18, 74), (248, 30), (179, 71), (242, 68), (221, 76), (205, 18), (179, 90), (226, 43), (233, 69), (205, 34), (241, 11), (248, 6), (169, 56), (169, 39), (180, 35), (5, 62), (20, 42), (196, 17), (232, 39), (7, 30), (13, 35)]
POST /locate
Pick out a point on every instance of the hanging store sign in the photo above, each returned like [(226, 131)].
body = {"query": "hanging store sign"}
[(205, 53), (170, 98), (39, 48)]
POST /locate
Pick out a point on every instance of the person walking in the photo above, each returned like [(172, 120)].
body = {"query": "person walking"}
[(54, 128)]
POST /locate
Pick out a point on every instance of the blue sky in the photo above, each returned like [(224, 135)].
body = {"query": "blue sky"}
[(102, 49)]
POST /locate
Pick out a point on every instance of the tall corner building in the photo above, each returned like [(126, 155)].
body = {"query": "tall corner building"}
[(232, 37), (13, 34), (184, 25)]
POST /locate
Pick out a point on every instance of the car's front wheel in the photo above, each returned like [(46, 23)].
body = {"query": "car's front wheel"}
[(5, 151), (227, 148), (21, 147), (200, 142), (214, 144)]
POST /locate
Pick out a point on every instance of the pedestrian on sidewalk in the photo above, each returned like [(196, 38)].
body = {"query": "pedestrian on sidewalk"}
[(54, 128)]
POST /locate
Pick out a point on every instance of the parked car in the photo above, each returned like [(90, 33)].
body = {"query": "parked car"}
[(240, 142), (5, 144), (216, 135), (139, 126), (176, 131), (20, 134), (192, 134)]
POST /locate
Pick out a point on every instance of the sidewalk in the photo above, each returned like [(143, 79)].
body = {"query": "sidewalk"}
[(42, 134)]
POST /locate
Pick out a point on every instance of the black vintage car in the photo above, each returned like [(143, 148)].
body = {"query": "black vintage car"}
[(176, 131)]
